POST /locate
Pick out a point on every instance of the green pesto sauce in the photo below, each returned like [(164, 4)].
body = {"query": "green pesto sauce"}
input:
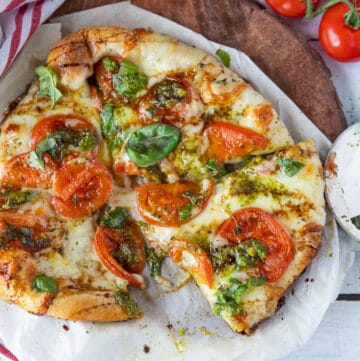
[(127, 303)]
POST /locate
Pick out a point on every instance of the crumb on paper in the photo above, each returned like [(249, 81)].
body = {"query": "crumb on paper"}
[(181, 331), (65, 327), (146, 349), (206, 332), (170, 326), (180, 345)]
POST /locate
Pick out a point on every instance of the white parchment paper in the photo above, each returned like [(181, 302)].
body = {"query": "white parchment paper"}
[(206, 337)]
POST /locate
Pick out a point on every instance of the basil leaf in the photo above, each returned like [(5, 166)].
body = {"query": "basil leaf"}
[(47, 145), (48, 83), (44, 283), (154, 259), (15, 198), (152, 143), (35, 161), (224, 56), (127, 302), (109, 64), (216, 169), (129, 80), (116, 218), (290, 167), (107, 120), (356, 221)]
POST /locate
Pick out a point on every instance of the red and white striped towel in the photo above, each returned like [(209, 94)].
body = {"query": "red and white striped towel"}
[(18, 21)]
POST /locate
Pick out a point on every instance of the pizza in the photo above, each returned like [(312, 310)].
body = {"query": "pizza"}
[(131, 147)]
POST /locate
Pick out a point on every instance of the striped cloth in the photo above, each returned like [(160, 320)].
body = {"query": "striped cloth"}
[(18, 21)]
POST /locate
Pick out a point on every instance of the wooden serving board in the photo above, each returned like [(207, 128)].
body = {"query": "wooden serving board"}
[(283, 55)]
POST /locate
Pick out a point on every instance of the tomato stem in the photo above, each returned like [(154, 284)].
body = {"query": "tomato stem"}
[(310, 13)]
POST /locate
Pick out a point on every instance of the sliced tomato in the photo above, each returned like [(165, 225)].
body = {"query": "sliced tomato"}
[(45, 127), (108, 240), (172, 100), (104, 78), (198, 264), (81, 188), (171, 204), (126, 168), (227, 140), (18, 173), (19, 221), (256, 223)]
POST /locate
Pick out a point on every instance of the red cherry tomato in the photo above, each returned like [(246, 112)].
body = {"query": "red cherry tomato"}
[(18, 173), (165, 204), (227, 140), (258, 224), (81, 189), (290, 8), (339, 40), (108, 240), (201, 268)]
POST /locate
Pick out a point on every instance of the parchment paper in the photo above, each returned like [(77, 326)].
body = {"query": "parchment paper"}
[(206, 337)]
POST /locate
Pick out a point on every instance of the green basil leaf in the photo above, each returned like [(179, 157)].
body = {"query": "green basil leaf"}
[(109, 64), (48, 83), (107, 120), (290, 167), (47, 145), (116, 218), (224, 56), (154, 259), (129, 80), (35, 161), (127, 303), (44, 283), (356, 221), (152, 143), (216, 169)]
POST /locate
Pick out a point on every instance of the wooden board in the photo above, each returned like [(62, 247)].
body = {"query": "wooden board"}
[(283, 55)]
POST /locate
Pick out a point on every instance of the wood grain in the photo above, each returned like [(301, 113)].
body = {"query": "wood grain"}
[(283, 55)]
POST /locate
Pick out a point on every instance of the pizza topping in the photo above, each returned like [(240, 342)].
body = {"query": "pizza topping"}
[(216, 169), (290, 167), (61, 137), (115, 218), (172, 204), (224, 56), (24, 171), (173, 100), (129, 80), (109, 64), (81, 189), (240, 256), (228, 141), (127, 302), (10, 198), (257, 224), (193, 258), (48, 83), (44, 283), (122, 251), (154, 259), (229, 297), (152, 143)]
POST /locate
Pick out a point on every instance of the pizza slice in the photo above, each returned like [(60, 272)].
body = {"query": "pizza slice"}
[(260, 229)]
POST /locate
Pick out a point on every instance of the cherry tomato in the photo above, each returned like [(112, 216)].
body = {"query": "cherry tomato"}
[(258, 224), (104, 77), (47, 126), (290, 8), (171, 204), (339, 40), (200, 267), (18, 173), (81, 189), (172, 100), (21, 223), (107, 242), (227, 140)]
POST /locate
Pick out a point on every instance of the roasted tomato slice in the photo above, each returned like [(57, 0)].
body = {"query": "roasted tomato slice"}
[(64, 137), (172, 100), (81, 188), (122, 252), (18, 173), (227, 140), (194, 259), (255, 223), (104, 70), (172, 204), (25, 231)]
